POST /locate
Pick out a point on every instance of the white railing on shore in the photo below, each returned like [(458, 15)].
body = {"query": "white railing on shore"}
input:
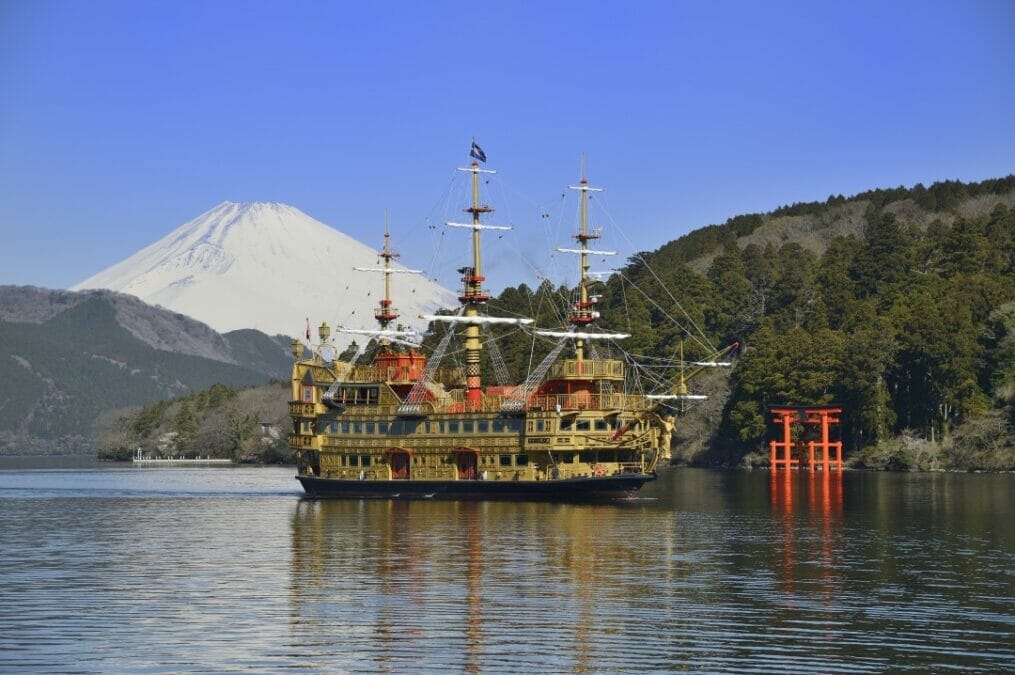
[(166, 461)]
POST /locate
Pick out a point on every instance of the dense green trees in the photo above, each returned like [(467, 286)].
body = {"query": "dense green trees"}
[(909, 325)]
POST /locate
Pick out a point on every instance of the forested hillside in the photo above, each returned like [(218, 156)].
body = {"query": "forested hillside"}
[(245, 425), (898, 304), (67, 357)]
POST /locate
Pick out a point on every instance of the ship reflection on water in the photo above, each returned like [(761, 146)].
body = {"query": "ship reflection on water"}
[(461, 581), (712, 571)]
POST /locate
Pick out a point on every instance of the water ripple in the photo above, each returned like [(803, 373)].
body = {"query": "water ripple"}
[(112, 570)]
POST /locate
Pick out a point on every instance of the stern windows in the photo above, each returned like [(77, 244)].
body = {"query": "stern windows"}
[(307, 393)]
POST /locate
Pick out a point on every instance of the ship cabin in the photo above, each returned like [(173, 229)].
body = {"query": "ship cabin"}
[(575, 424)]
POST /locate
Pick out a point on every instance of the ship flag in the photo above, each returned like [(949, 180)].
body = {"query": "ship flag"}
[(477, 152)]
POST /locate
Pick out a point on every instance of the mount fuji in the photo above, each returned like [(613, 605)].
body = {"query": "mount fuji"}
[(265, 265)]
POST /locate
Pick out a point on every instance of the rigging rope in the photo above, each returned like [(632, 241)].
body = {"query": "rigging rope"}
[(519, 397), (414, 399), (499, 367)]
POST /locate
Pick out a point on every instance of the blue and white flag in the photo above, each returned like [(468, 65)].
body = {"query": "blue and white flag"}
[(477, 152)]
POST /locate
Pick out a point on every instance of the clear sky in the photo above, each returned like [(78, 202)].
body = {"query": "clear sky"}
[(119, 121)]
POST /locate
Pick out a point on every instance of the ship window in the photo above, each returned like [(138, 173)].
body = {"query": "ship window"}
[(625, 456), (584, 425), (566, 423), (514, 425), (372, 395), (357, 427), (484, 426), (383, 427), (607, 456), (353, 460), (565, 457), (453, 427), (364, 460), (522, 460), (370, 427), (467, 427), (334, 427), (308, 394), (345, 427), (505, 460), (498, 426), (600, 425), (586, 457), (540, 425), (306, 428)]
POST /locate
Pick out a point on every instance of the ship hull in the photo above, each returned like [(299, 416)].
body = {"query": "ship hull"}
[(571, 489)]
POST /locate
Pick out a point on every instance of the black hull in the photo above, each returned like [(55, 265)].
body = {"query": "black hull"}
[(571, 489)]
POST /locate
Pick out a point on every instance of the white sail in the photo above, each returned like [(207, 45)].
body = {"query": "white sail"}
[(386, 271), (582, 336), (712, 364), (380, 333), (475, 319), (477, 226), (588, 251)]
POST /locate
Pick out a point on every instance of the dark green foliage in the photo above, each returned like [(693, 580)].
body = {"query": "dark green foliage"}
[(909, 327)]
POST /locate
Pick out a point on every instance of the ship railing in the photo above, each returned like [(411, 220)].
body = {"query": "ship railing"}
[(301, 408), (586, 401), (578, 401), (587, 368), (397, 374)]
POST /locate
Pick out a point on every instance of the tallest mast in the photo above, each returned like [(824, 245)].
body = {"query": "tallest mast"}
[(473, 294)]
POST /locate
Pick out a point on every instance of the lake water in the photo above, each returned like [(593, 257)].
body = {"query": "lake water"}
[(110, 569)]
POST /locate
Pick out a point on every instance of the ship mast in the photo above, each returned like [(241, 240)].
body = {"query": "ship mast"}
[(385, 313), (581, 314), (474, 295)]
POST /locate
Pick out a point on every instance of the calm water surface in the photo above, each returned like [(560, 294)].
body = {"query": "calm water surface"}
[(106, 569)]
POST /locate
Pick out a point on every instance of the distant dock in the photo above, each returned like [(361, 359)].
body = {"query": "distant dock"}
[(140, 460)]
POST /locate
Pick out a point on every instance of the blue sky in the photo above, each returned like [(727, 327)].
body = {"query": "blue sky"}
[(119, 121)]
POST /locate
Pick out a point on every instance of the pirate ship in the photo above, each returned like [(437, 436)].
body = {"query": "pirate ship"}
[(404, 426)]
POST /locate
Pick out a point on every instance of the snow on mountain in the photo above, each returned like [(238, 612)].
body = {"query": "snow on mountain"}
[(266, 265)]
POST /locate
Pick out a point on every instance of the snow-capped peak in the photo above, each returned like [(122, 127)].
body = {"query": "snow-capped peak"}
[(264, 265)]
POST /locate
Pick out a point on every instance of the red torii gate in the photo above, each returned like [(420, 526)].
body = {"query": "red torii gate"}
[(824, 454)]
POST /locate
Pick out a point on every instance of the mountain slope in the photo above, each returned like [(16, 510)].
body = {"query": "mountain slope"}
[(71, 356), (814, 225), (262, 265)]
